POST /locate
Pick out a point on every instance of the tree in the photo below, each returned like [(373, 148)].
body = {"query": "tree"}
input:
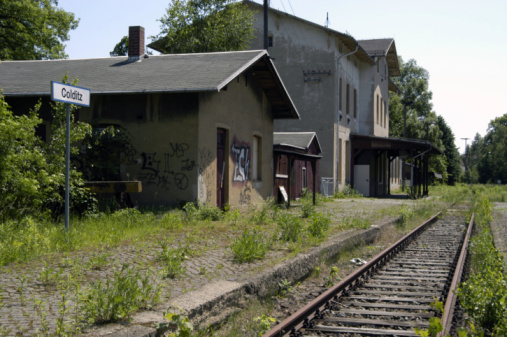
[(492, 165), (34, 29), (121, 48), (197, 26), (421, 121), (32, 172), (471, 159), (450, 151), (413, 83)]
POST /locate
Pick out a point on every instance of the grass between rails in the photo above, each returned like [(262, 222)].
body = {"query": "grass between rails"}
[(293, 231), (483, 295)]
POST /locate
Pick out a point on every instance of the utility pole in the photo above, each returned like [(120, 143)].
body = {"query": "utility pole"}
[(465, 156), (465, 142)]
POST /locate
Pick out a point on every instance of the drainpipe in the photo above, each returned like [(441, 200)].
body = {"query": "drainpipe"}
[(338, 110), (266, 24)]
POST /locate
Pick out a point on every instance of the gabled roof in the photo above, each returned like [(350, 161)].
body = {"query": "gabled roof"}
[(299, 140), (383, 48), (154, 74), (346, 39)]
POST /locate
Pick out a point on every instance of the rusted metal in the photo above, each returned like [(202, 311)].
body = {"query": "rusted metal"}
[(305, 315), (450, 302)]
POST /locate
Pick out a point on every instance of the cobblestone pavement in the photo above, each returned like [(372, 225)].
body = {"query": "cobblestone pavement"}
[(499, 227), (32, 297)]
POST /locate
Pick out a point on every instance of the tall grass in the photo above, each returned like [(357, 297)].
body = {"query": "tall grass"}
[(30, 238), (484, 293)]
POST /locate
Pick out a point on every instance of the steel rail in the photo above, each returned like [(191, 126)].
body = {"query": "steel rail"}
[(303, 317), (450, 301)]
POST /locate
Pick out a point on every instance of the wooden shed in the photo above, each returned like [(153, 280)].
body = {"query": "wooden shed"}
[(296, 157)]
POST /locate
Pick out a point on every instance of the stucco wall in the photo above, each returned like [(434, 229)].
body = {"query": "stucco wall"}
[(300, 47), (243, 111), (162, 129)]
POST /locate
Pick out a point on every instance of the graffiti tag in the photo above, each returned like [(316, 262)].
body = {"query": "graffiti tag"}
[(241, 154)]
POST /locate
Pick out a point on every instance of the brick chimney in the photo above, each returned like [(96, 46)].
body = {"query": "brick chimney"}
[(136, 43)]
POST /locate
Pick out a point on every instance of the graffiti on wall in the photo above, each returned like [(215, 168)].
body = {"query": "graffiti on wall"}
[(206, 182), (240, 152), (245, 196), (175, 166)]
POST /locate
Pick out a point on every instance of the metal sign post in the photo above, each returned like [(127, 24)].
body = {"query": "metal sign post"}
[(69, 94)]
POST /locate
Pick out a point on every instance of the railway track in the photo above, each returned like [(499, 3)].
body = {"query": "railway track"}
[(392, 294)]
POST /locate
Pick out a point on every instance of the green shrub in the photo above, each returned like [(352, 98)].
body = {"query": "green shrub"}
[(262, 216), (27, 239), (172, 260), (307, 209), (172, 221), (404, 215), (202, 212), (250, 246), (318, 225), (355, 223), (213, 213), (117, 299), (290, 227), (347, 192), (32, 172), (484, 293)]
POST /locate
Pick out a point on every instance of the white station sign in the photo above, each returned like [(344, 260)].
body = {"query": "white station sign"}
[(66, 93)]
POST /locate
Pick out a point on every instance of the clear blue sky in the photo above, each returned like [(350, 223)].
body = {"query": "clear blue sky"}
[(462, 44)]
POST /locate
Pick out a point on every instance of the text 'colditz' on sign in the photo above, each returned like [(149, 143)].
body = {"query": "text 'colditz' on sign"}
[(66, 93)]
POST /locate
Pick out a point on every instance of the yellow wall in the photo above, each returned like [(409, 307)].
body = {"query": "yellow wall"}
[(174, 142), (244, 114)]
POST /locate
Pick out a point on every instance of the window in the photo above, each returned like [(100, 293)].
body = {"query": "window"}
[(355, 103), (381, 112), (377, 110), (340, 96), (348, 98), (347, 161), (340, 152), (257, 158), (270, 41)]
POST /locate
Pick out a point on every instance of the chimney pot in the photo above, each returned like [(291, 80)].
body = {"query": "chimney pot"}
[(136, 43)]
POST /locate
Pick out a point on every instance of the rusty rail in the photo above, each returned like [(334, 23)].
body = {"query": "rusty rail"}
[(303, 317), (450, 301)]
